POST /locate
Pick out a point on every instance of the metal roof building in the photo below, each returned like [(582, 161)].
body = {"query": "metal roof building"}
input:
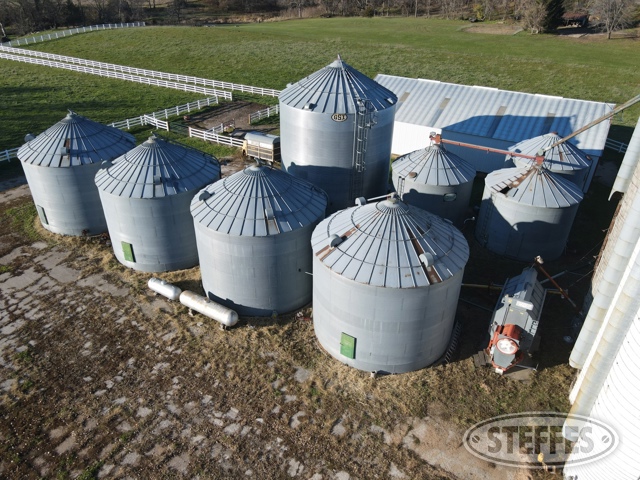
[(253, 230), (336, 127), (488, 117), (60, 165), (386, 280), (607, 349), (146, 195)]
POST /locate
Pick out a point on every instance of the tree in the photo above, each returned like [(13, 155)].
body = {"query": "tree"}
[(612, 15), (539, 16)]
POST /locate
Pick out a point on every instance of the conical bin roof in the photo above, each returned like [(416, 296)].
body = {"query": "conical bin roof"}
[(336, 88), (563, 158), (259, 201), (390, 244), (434, 165), (535, 186), (158, 168), (76, 140)]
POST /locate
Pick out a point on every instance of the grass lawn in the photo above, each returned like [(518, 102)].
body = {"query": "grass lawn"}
[(277, 53)]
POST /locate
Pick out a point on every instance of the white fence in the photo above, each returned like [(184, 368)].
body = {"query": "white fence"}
[(144, 72), (166, 113), (156, 122), (215, 138), (120, 76), (216, 129), (616, 145), (73, 31), (260, 114), (8, 155)]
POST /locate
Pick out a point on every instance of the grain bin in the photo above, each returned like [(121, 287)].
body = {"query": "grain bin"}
[(565, 159), (60, 165), (146, 195), (386, 280), (336, 127), (253, 230), (435, 180), (526, 212)]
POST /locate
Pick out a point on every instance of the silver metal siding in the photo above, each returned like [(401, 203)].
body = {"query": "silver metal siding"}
[(256, 275), (369, 282), (530, 220), (396, 330), (69, 197), (617, 406), (437, 172), (253, 233), (317, 149), (160, 231), (631, 159)]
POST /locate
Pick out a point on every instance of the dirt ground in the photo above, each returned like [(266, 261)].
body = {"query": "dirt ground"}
[(99, 378), (233, 114), (494, 29)]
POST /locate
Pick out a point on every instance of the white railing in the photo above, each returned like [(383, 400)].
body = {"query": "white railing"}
[(144, 72), (156, 122), (215, 138), (616, 145), (8, 155), (166, 113), (120, 76), (260, 114), (73, 31), (216, 129)]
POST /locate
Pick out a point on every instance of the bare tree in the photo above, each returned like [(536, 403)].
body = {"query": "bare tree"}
[(533, 14), (612, 15)]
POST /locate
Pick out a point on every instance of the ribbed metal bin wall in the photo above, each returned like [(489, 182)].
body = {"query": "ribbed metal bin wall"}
[(146, 195), (319, 133), (435, 180), (253, 230), (566, 159), (60, 165), (526, 212), (386, 281)]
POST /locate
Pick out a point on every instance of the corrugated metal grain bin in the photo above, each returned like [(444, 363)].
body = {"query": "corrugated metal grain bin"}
[(526, 212), (146, 195), (253, 230), (60, 165), (435, 180), (336, 127), (386, 280), (565, 159)]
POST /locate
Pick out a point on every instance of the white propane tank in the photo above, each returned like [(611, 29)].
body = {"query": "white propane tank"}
[(164, 288), (217, 312)]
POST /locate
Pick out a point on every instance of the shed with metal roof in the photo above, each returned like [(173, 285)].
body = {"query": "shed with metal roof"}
[(60, 165), (526, 212), (336, 127), (435, 180), (386, 280), (253, 230), (489, 117), (146, 195)]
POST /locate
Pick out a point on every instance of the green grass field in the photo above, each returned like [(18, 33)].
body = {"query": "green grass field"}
[(274, 54)]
